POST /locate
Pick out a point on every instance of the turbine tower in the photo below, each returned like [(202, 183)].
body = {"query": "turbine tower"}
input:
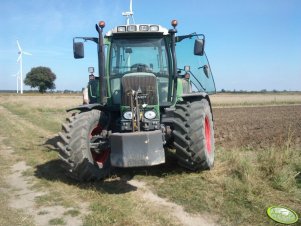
[(19, 60), (17, 75), (129, 14)]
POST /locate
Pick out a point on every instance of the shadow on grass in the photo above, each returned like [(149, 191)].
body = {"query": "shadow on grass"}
[(117, 183), (51, 143), (53, 171)]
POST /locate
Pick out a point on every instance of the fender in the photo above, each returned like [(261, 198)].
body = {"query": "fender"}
[(87, 107), (193, 96)]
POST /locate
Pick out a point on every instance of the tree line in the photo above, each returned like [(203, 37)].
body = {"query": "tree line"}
[(43, 79)]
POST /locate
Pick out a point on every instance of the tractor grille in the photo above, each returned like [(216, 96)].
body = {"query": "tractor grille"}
[(146, 82)]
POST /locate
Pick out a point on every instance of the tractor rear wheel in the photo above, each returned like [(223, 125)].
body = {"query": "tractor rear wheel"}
[(193, 134), (77, 149)]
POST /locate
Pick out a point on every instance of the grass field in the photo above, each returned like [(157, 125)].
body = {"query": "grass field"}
[(243, 183)]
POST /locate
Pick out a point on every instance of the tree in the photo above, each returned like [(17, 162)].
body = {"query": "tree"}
[(41, 77)]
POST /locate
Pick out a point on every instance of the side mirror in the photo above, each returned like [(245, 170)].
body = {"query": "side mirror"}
[(78, 50), (199, 46), (91, 70)]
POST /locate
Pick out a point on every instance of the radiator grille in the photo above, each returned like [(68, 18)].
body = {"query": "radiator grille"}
[(146, 82)]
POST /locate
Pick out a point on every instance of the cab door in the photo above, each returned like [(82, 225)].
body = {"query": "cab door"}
[(201, 78)]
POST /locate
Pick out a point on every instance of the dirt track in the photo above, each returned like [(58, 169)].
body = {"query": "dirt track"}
[(257, 127)]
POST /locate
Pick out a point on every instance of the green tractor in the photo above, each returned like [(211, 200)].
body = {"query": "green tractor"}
[(152, 100)]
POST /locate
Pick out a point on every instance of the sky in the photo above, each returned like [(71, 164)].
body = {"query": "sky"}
[(250, 44)]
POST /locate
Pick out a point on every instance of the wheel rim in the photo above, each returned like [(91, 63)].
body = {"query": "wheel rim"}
[(99, 158), (207, 135)]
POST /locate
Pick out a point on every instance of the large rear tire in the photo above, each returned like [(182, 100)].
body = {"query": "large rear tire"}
[(193, 134), (79, 134)]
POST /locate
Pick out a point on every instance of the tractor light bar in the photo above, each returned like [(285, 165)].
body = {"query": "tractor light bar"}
[(138, 28)]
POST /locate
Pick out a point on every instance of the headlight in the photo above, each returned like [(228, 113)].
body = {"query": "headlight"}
[(128, 115), (150, 114)]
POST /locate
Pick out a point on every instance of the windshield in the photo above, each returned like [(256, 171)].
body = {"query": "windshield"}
[(138, 55), (130, 55)]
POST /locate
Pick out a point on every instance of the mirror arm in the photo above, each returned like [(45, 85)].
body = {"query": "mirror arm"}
[(93, 39), (182, 37)]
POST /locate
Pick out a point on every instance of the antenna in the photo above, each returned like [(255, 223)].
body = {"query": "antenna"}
[(129, 14), (19, 60)]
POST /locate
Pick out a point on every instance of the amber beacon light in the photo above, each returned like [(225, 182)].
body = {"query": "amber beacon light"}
[(174, 23), (102, 24)]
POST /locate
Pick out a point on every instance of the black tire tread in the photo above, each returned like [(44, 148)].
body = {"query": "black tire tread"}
[(188, 134), (74, 148)]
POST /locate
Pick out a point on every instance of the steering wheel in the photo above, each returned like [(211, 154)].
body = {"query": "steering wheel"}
[(140, 67)]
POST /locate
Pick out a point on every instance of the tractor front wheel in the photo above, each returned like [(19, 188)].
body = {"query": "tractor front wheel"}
[(193, 134), (79, 146)]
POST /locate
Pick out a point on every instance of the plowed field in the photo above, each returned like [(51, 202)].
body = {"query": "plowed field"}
[(257, 127)]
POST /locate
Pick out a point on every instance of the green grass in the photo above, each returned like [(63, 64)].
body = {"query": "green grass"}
[(243, 183), (72, 213), (240, 187), (46, 118), (57, 221)]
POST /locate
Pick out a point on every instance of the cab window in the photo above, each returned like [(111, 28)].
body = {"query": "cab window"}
[(201, 78)]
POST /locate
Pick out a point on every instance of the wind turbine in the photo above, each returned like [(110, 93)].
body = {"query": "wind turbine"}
[(18, 78), (21, 52), (129, 14)]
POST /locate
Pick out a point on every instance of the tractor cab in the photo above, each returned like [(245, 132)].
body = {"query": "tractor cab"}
[(146, 50)]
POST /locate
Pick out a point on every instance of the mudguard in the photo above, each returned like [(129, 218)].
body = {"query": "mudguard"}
[(192, 96), (86, 107)]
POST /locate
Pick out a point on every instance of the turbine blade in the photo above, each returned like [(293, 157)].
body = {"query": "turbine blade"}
[(131, 6), (19, 58), (19, 47), (26, 53)]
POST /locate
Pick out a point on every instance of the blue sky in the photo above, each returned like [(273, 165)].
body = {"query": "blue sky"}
[(251, 44)]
